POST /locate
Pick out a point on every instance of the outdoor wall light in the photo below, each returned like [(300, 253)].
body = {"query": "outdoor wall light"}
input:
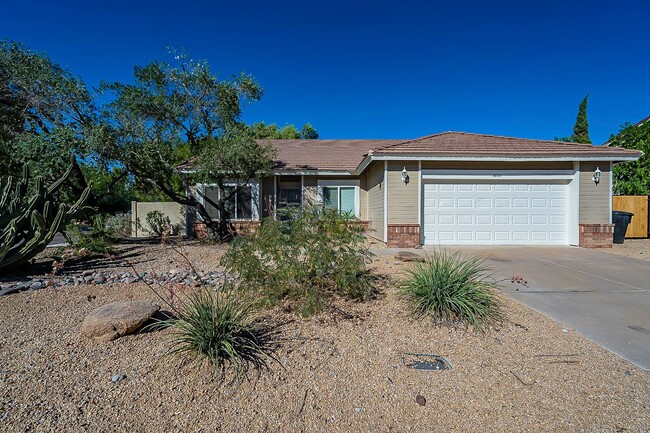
[(405, 176), (596, 177)]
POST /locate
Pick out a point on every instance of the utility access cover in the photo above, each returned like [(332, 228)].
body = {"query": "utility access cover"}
[(425, 361)]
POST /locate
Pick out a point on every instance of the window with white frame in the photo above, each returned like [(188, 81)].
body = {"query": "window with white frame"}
[(342, 195), (241, 202)]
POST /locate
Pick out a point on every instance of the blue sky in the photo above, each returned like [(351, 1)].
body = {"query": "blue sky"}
[(377, 69)]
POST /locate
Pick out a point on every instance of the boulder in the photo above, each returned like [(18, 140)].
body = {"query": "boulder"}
[(115, 320), (407, 256)]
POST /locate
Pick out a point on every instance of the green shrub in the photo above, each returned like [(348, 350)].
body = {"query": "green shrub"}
[(159, 224), (219, 328), (119, 224), (97, 239), (313, 254), (451, 288)]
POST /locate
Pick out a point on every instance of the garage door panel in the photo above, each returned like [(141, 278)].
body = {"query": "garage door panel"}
[(539, 202), (444, 219), (539, 219), (498, 212), (520, 202), (520, 219), (446, 203), (557, 203)]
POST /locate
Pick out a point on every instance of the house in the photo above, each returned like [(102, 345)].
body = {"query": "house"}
[(451, 188)]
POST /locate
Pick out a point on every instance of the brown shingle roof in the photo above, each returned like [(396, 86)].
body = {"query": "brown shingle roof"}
[(467, 144), (335, 155), (346, 155)]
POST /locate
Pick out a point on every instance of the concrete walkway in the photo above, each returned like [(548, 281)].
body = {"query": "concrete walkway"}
[(603, 296)]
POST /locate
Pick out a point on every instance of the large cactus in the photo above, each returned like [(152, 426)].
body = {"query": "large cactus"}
[(28, 222)]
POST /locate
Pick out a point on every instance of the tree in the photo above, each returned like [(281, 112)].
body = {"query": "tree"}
[(46, 114), (289, 132), (261, 130), (308, 132), (633, 178), (581, 127), (175, 113)]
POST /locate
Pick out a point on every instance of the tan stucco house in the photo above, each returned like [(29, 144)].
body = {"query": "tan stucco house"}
[(452, 188)]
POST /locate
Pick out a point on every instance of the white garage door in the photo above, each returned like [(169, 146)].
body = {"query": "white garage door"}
[(476, 212)]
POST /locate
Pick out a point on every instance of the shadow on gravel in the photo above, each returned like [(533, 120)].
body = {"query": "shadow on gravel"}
[(154, 324)]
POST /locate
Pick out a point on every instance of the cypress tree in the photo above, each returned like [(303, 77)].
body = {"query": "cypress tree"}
[(581, 128)]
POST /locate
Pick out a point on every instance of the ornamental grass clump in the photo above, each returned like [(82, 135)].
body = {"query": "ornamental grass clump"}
[(303, 260), (450, 288), (218, 328)]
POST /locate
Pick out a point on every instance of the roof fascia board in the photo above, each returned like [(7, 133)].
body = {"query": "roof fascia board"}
[(312, 172), (503, 159)]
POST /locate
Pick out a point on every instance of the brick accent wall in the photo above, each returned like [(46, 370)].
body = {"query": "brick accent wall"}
[(200, 229), (403, 235), (596, 235)]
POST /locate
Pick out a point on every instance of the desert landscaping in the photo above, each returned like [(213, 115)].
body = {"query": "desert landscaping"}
[(341, 370)]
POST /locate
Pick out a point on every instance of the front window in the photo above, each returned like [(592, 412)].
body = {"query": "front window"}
[(340, 195), (239, 202), (290, 197)]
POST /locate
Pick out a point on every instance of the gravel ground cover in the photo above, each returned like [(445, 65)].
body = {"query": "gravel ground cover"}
[(341, 371), (636, 248)]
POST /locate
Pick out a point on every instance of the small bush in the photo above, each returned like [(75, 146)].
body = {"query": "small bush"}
[(98, 240), (218, 328), (159, 224), (119, 224), (451, 288), (311, 255)]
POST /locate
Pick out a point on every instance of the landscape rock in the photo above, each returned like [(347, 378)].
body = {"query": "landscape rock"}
[(37, 285), (407, 256), (117, 319), (9, 290)]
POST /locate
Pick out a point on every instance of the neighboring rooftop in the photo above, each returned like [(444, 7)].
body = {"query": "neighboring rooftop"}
[(346, 155)]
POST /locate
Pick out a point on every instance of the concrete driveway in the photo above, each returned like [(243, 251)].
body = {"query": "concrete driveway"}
[(603, 296)]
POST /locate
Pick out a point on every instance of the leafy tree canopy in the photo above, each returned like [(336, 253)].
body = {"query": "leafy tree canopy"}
[(581, 127), (261, 130), (46, 114), (180, 112), (633, 178), (133, 145)]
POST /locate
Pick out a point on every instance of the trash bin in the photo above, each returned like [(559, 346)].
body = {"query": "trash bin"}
[(621, 220)]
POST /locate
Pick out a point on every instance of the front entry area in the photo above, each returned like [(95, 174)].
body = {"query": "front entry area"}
[(492, 212)]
